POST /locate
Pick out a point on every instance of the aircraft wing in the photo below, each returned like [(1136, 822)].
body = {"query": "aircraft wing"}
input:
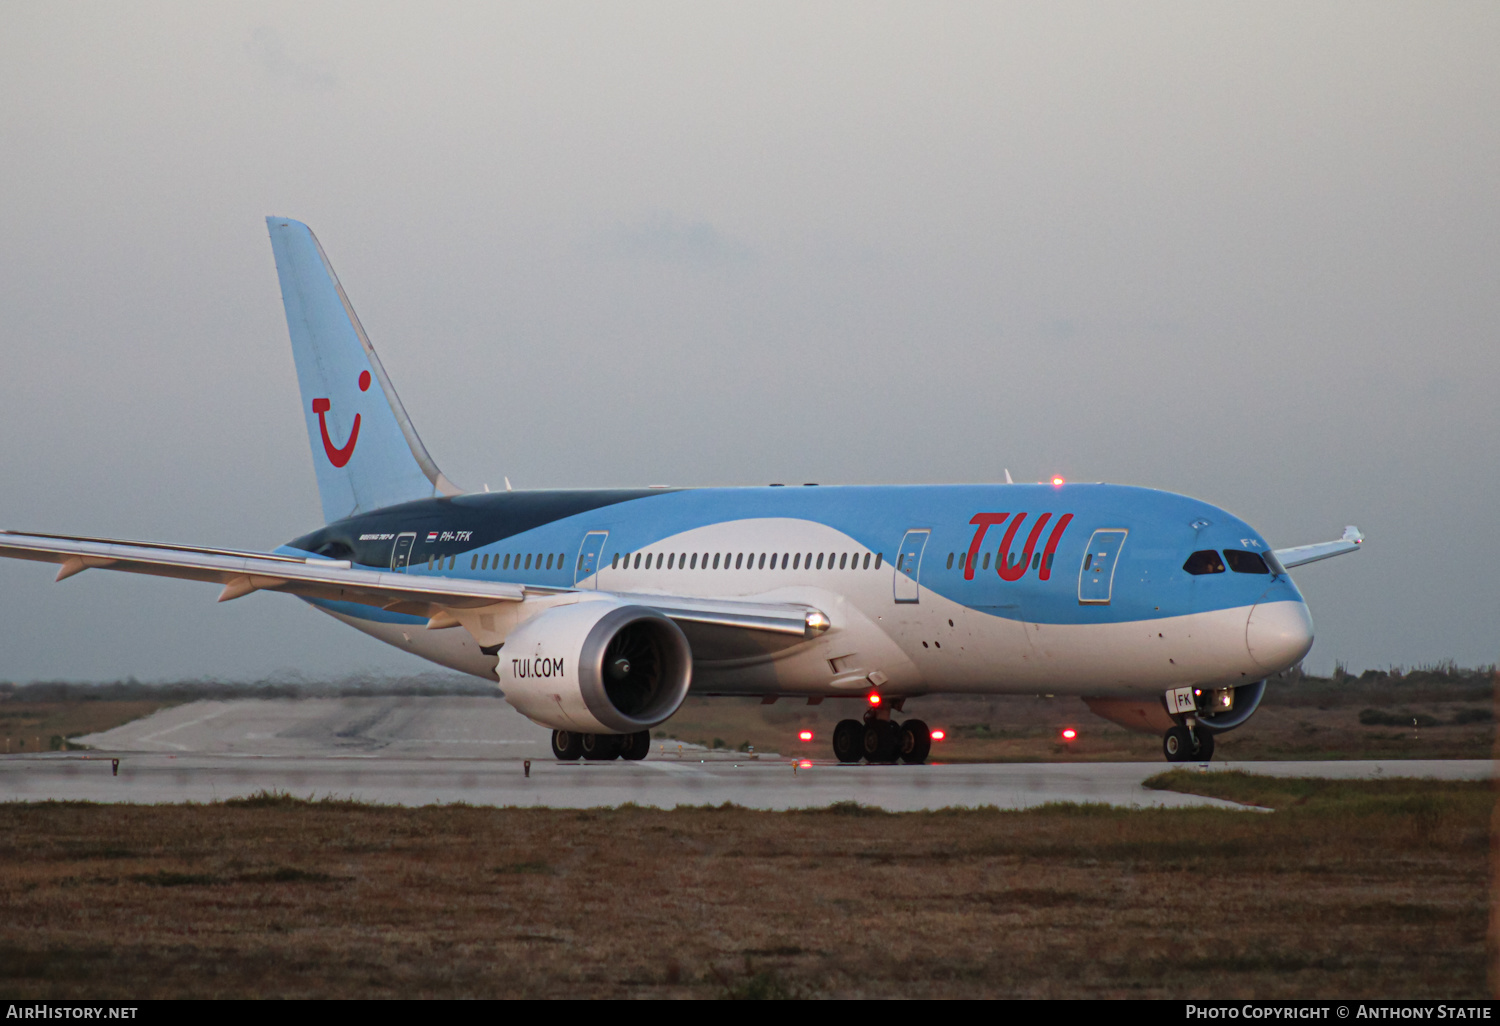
[(777, 617), (1301, 554), (242, 572)]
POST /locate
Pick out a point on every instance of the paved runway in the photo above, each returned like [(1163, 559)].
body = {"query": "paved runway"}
[(420, 751), (383, 726)]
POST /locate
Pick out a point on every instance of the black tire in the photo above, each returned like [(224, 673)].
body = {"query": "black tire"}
[(1205, 746), (849, 741), (916, 742), (1177, 745), (635, 746), (882, 739), (601, 747), (567, 745)]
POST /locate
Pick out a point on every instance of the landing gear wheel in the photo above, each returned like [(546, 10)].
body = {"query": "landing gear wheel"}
[(849, 741), (1178, 745), (600, 747), (1205, 746), (882, 737), (567, 745), (916, 742), (635, 746)]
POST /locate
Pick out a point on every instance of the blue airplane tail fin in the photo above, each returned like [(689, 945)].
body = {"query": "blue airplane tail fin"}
[(365, 450)]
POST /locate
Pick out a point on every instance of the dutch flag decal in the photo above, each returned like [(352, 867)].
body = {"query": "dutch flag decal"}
[(431, 537)]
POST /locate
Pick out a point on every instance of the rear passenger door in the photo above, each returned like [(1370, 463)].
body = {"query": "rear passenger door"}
[(401, 552)]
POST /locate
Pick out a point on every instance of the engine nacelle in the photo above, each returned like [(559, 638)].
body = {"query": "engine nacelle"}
[(1246, 700), (597, 667), (1151, 717)]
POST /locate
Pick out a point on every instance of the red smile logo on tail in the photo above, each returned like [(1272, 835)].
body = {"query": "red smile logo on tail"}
[(336, 455)]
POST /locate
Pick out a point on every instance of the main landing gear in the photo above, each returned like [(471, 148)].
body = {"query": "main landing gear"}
[(570, 745), (1183, 745), (878, 740)]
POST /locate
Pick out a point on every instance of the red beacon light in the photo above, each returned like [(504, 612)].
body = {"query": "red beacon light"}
[(874, 697), (938, 735), (1069, 734), (805, 735), (1058, 481)]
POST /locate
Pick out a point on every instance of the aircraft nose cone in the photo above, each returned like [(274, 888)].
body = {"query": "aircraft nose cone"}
[(1278, 634)]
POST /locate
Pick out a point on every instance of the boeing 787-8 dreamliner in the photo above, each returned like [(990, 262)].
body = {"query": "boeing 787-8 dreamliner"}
[(597, 612)]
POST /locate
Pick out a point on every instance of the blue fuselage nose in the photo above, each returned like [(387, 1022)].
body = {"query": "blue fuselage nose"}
[(1230, 570)]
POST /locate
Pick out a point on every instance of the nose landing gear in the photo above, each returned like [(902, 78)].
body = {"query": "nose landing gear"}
[(1183, 745)]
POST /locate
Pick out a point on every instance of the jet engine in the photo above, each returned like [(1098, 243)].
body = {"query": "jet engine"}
[(599, 667), (1224, 714), (1220, 709)]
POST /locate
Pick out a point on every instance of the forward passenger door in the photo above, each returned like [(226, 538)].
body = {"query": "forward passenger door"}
[(908, 569), (1096, 577)]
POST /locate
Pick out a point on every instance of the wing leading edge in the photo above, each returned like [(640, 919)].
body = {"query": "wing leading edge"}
[(242, 572), (1351, 541)]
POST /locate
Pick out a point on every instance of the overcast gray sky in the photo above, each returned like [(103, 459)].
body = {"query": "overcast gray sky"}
[(1245, 252)]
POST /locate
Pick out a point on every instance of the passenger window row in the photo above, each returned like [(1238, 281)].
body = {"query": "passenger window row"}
[(1015, 560), (1207, 561), (485, 563), (676, 561), (739, 561)]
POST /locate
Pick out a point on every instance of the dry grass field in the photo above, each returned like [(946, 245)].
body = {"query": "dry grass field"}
[(1349, 888), (46, 726)]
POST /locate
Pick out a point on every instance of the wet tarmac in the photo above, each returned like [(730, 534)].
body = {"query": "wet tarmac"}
[(423, 751)]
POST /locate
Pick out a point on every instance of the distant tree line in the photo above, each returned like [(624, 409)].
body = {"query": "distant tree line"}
[(1433, 681), (1443, 674)]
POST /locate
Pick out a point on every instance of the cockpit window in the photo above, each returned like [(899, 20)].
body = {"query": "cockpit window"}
[(1205, 562), (1242, 562)]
